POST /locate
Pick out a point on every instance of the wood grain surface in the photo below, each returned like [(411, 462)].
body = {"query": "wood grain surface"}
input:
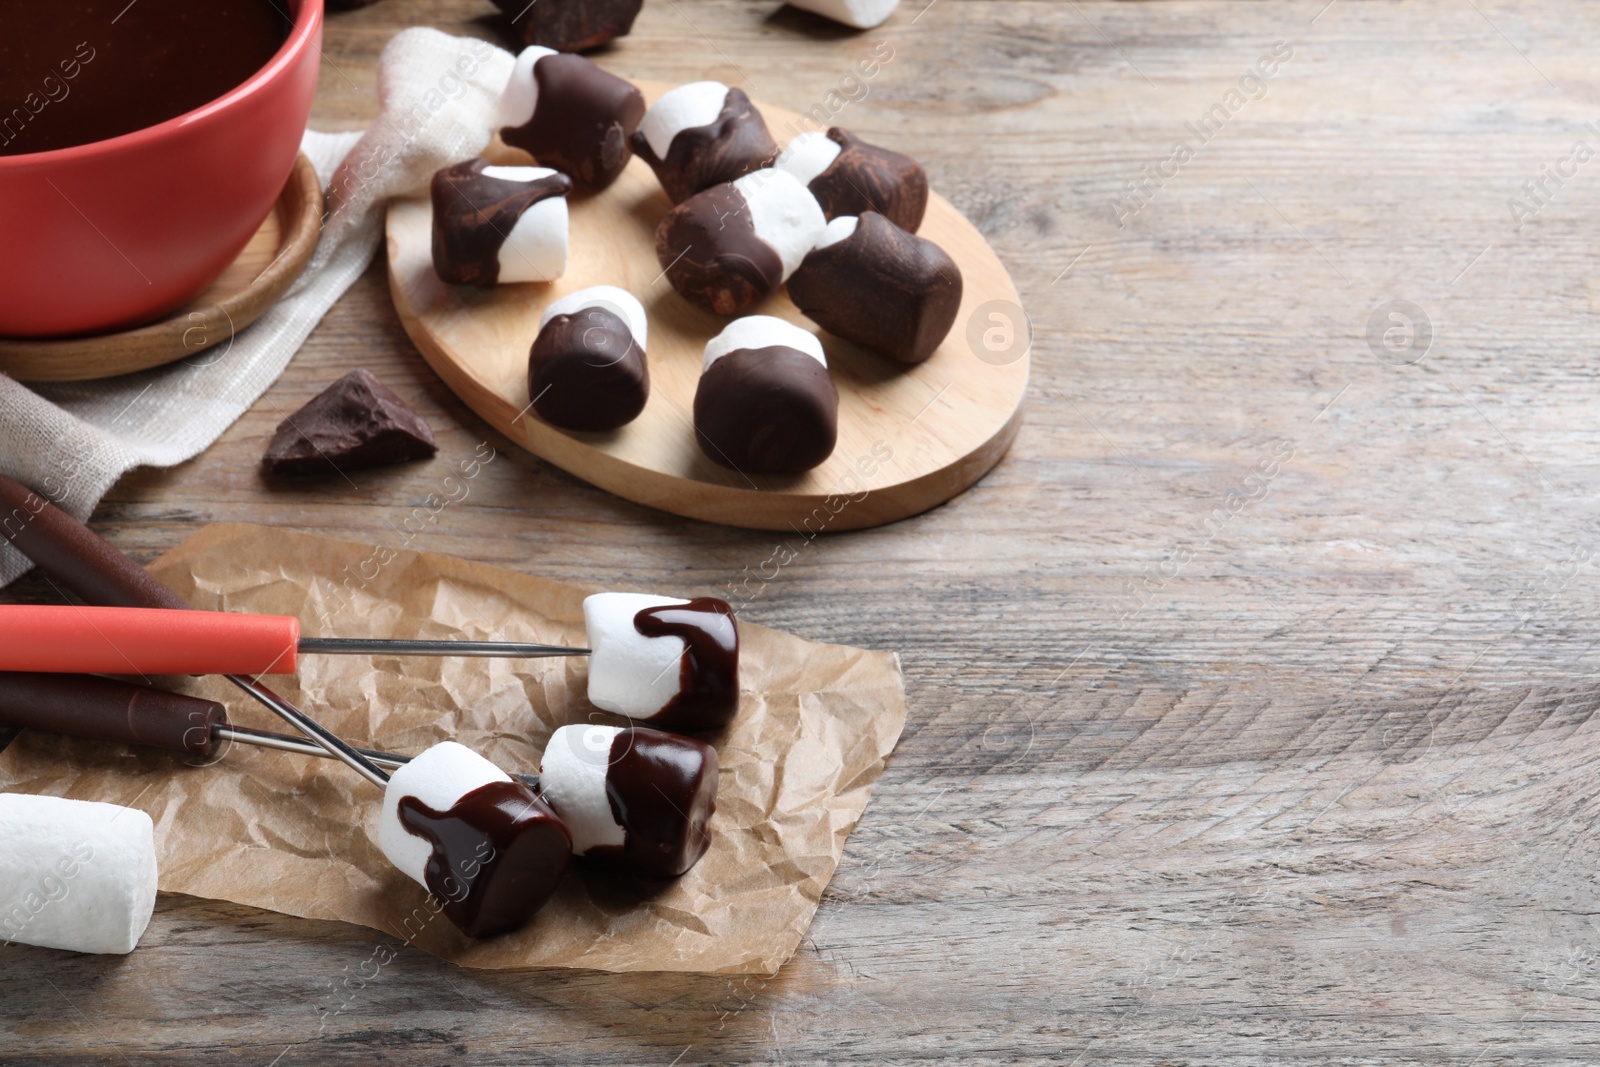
[(910, 438), (1252, 695)]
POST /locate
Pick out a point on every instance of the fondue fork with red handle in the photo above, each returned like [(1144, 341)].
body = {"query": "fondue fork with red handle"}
[(88, 640)]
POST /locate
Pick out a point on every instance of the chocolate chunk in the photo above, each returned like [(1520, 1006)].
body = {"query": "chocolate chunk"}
[(881, 287), (473, 213), (702, 156), (771, 410), (586, 373), (355, 423), (709, 249), (864, 177), (582, 121), (570, 25)]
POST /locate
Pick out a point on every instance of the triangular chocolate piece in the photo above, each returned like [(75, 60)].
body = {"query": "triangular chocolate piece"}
[(355, 423)]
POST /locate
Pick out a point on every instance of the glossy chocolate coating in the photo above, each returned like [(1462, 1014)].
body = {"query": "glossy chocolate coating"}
[(883, 288), (709, 249), (582, 123), (498, 854), (663, 792), (570, 25), (708, 691), (771, 410), (864, 177), (587, 373), (355, 423), (77, 71), (474, 213), (730, 147)]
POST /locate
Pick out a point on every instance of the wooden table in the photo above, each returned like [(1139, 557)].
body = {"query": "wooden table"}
[(1252, 696)]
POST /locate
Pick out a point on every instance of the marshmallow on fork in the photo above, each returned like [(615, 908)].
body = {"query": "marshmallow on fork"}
[(726, 249), (480, 841), (75, 874), (766, 403), (587, 369), (663, 661), (862, 14), (702, 134), (848, 176), (637, 800), (493, 225), (570, 114)]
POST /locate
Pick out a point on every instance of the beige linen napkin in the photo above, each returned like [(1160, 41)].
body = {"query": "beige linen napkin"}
[(72, 441)]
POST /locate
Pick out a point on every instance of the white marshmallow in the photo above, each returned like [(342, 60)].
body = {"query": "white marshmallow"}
[(438, 778), (784, 213), (75, 874), (808, 155), (572, 777), (621, 303), (521, 96), (630, 674), (683, 108), (862, 14), (839, 229), (761, 331), (536, 248)]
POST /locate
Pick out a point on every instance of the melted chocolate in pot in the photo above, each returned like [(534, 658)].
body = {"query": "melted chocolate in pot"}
[(77, 71), (498, 855), (708, 694)]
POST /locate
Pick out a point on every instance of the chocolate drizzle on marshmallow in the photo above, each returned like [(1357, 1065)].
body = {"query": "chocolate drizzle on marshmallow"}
[(723, 145), (581, 118), (880, 287), (587, 369), (477, 208), (708, 674)]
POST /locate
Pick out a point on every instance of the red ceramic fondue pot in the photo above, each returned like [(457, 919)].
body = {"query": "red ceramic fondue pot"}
[(119, 232)]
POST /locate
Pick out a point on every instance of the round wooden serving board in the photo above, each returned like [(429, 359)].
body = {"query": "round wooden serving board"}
[(909, 438), (250, 285)]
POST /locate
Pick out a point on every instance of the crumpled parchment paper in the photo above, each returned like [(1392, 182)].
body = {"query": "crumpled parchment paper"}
[(298, 835)]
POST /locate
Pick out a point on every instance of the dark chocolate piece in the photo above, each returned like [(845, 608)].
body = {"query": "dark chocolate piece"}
[(881, 287), (771, 410), (708, 692), (735, 144), (709, 249), (473, 214), (355, 423), (570, 25), (587, 373), (582, 121), (864, 177), (663, 792), (498, 855)]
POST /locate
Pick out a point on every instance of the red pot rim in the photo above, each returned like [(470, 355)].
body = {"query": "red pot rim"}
[(307, 23)]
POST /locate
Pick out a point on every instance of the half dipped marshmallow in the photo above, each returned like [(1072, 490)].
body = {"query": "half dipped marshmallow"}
[(637, 800), (848, 176), (873, 283), (670, 663), (480, 841), (75, 874), (862, 14), (702, 134), (587, 368), (493, 225), (570, 114), (726, 249), (766, 403)]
